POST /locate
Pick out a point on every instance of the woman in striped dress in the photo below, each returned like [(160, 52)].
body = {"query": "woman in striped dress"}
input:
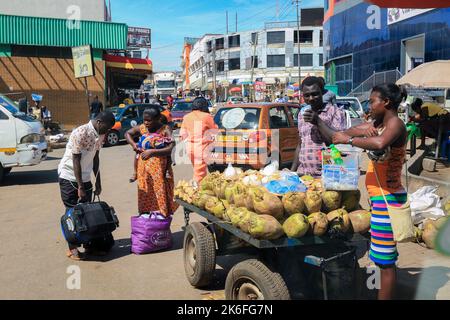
[(385, 138)]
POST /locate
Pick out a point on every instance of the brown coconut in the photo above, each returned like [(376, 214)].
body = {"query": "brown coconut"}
[(360, 221), (429, 233), (267, 203), (319, 223), (339, 220)]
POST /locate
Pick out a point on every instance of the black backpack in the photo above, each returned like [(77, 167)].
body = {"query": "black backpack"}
[(88, 222)]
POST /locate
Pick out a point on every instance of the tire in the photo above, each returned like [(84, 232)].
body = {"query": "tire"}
[(199, 255), (112, 139), (6, 171), (253, 280)]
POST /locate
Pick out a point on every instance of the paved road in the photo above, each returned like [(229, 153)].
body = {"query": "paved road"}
[(32, 252)]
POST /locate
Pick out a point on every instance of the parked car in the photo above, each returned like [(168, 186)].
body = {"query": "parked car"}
[(22, 140), (181, 108), (247, 135), (128, 116), (235, 100), (351, 103)]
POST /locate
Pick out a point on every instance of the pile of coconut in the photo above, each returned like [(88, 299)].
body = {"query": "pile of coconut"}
[(240, 200), (427, 231)]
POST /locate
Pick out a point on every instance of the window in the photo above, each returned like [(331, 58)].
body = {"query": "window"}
[(42, 52), (321, 38), (276, 61), (130, 113), (234, 64), (220, 66), (306, 60), (234, 41), (220, 44), (209, 46), (294, 112), (254, 37), (305, 36), (278, 118), (275, 37), (251, 119), (320, 59), (255, 62), (3, 116)]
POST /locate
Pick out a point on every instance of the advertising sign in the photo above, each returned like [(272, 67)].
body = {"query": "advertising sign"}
[(83, 63), (139, 38), (395, 15)]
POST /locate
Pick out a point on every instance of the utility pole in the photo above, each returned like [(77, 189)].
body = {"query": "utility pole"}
[(227, 22), (297, 2), (255, 43), (214, 73)]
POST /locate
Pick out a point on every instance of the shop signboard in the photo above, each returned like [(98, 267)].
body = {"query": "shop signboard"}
[(139, 38), (395, 15), (83, 61), (260, 86)]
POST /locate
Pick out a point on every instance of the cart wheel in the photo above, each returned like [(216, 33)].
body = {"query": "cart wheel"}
[(252, 280), (199, 255)]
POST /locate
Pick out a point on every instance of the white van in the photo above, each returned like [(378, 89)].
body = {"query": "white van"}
[(22, 139)]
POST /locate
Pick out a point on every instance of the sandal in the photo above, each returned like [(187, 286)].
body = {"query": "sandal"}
[(133, 178), (75, 255)]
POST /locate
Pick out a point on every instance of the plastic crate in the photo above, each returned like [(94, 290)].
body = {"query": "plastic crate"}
[(343, 177)]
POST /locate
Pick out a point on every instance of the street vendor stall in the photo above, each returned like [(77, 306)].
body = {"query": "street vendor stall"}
[(298, 231)]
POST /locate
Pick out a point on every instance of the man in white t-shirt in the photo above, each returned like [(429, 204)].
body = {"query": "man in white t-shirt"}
[(79, 161)]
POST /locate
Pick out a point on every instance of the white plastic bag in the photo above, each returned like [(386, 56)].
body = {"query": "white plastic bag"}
[(270, 169), (230, 172), (425, 204)]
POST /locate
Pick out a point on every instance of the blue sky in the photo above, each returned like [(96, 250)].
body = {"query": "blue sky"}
[(172, 20)]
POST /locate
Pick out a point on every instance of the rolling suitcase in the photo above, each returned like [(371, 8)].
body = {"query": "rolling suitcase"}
[(89, 223)]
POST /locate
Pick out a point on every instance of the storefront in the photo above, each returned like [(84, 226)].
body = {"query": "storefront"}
[(124, 73), (36, 57)]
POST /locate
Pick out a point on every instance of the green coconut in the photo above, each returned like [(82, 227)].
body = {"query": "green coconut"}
[(240, 195), (265, 227), (245, 221), (215, 206), (318, 222), (339, 220), (331, 200), (350, 200), (447, 207), (296, 226), (294, 202), (429, 234), (360, 221), (313, 201), (201, 197)]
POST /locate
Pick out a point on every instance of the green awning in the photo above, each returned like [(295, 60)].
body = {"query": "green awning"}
[(37, 31)]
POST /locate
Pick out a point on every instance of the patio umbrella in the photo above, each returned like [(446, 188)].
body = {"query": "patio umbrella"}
[(428, 75), (422, 4), (235, 89)]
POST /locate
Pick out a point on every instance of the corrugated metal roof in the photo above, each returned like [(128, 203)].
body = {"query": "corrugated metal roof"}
[(60, 33)]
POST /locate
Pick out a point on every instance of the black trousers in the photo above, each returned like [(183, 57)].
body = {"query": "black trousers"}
[(69, 196)]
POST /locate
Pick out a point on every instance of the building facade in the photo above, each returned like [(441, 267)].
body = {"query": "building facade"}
[(36, 57), (362, 39), (228, 59), (88, 10)]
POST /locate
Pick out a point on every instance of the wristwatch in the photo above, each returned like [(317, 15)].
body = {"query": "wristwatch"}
[(350, 141)]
